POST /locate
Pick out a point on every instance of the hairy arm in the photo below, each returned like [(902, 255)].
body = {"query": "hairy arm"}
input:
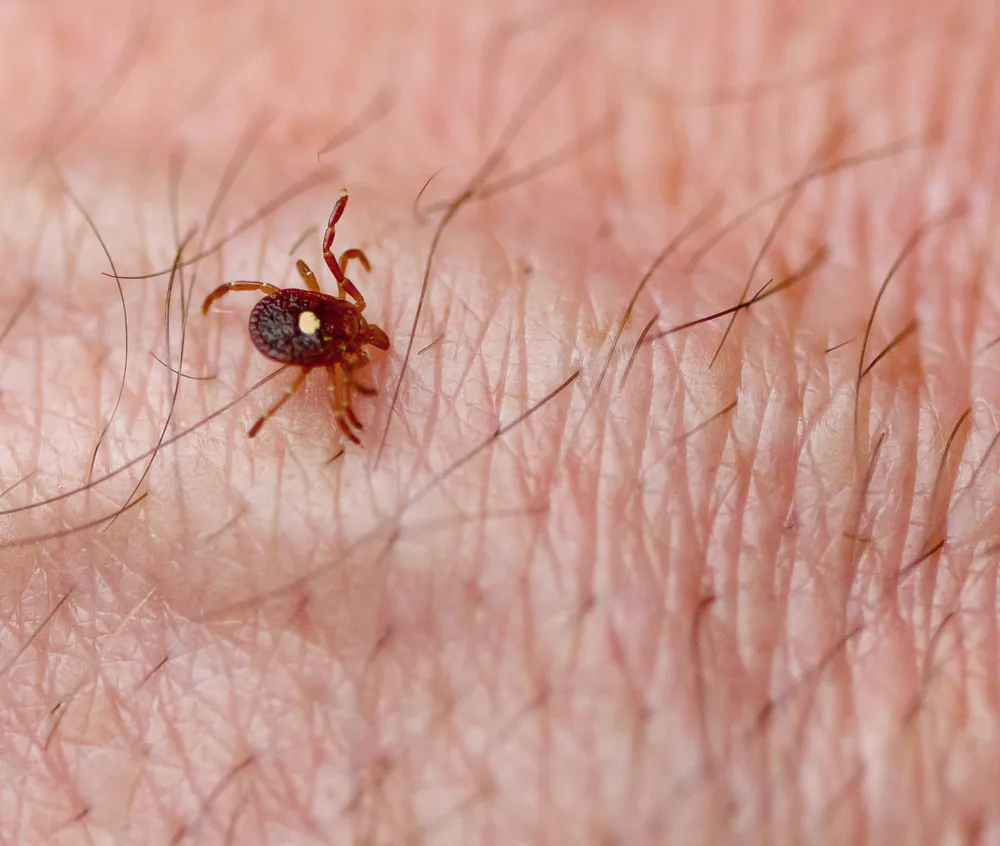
[(685, 591)]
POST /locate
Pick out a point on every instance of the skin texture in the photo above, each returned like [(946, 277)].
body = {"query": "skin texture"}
[(623, 620)]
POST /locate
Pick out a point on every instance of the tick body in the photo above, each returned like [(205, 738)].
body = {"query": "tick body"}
[(310, 329)]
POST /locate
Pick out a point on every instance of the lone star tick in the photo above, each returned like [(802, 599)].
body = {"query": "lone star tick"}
[(311, 329)]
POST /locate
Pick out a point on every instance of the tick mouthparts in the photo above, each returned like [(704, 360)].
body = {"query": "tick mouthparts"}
[(377, 338)]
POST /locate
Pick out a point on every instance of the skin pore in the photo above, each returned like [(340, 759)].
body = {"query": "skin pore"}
[(744, 600)]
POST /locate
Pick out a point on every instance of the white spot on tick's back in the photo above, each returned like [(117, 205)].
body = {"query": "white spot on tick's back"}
[(309, 323)]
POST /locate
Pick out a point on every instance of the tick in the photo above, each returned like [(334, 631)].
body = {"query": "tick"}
[(310, 329)]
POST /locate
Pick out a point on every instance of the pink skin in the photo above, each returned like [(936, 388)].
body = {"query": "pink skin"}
[(665, 630)]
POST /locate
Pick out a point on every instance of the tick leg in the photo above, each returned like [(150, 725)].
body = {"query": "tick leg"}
[(342, 423), (307, 276), (344, 285), (335, 215), (338, 406), (349, 385), (348, 285), (354, 253), (285, 398), (348, 409), (359, 360), (222, 290), (367, 390), (328, 256)]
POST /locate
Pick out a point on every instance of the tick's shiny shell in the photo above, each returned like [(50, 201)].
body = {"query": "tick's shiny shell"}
[(303, 327)]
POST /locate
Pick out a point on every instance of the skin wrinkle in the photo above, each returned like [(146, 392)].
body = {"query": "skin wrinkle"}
[(770, 491), (556, 574)]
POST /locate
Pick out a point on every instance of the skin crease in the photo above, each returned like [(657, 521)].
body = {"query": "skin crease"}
[(614, 624)]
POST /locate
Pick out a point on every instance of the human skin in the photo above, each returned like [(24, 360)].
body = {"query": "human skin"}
[(625, 619)]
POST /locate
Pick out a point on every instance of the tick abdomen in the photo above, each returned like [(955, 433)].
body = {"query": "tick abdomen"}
[(303, 327)]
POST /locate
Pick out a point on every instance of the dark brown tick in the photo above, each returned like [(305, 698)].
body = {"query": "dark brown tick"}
[(311, 329)]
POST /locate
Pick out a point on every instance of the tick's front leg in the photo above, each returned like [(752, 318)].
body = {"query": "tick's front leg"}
[(328, 256), (344, 285)]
